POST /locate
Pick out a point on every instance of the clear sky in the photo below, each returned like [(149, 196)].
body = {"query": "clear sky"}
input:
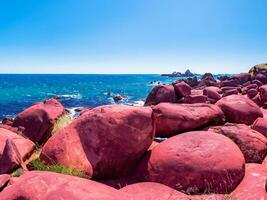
[(132, 36)]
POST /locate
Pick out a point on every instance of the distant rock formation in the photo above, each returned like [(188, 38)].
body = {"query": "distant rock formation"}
[(187, 73)]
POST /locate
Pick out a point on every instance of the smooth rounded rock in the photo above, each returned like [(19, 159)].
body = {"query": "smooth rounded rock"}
[(182, 89), (161, 93), (106, 142), (260, 125), (24, 146), (153, 191), (171, 119), (213, 92), (37, 185), (194, 162), (39, 119), (239, 109), (252, 143), (253, 184)]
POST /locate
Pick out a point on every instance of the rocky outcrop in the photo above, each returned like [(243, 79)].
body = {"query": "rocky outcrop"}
[(194, 162), (153, 191), (39, 185), (252, 143), (260, 125), (38, 119), (253, 185), (239, 109), (161, 93), (171, 119), (105, 142), (11, 158), (24, 146)]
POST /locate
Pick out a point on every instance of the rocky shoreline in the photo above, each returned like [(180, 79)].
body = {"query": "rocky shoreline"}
[(194, 139)]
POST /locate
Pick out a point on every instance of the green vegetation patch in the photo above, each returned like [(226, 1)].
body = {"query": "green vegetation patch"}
[(38, 165)]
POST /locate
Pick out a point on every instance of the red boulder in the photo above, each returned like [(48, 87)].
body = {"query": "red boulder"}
[(24, 146), (253, 184), (260, 125), (252, 93), (239, 109), (105, 142), (175, 118), (4, 178), (194, 162), (39, 119), (263, 93), (191, 99), (153, 191), (252, 144), (11, 158), (182, 89), (37, 185), (213, 93), (161, 93)]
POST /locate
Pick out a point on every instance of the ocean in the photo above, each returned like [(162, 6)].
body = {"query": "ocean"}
[(21, 91)]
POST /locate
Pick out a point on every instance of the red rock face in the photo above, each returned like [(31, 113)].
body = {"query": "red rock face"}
[(192, 99), (174, 118), (194, 162), (161, 93), (4, 178), (38, 119), (263, 93), (239, 109), (260, 125), (212, 93), (38, 185), (106, 142), (11, 158), (253, 184), (153, 191), (252, 143), (182, 89), (24, 146), (211, 197)]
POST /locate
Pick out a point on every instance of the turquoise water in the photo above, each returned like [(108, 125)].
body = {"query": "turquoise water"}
[(20, 91)]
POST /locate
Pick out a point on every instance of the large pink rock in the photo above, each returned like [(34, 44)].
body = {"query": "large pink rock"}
[(263, 93), (153, 191), (175, 118), (252, 143), (213, 92), (253, 184), (182, 89), (211, 197), (260, 125), (194, 162), (39, 119), (4, 178), (192, 99), (239, 109), (242, 77), (37, 185), (11, 158), (161, 93), (24, 146), (105, 142)]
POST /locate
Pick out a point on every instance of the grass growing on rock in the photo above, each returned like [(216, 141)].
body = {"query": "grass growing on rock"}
[(38, 165), (62, 122)]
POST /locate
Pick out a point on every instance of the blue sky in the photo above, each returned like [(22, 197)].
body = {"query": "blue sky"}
[(131, 36)]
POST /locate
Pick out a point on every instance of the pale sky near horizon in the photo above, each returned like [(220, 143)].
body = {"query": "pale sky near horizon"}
[(132, 36)]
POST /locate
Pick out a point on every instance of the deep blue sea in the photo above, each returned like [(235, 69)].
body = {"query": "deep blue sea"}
[(20, 91)]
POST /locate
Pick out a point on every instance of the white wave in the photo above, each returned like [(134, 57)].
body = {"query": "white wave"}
[(72, 96), (73, 112)]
